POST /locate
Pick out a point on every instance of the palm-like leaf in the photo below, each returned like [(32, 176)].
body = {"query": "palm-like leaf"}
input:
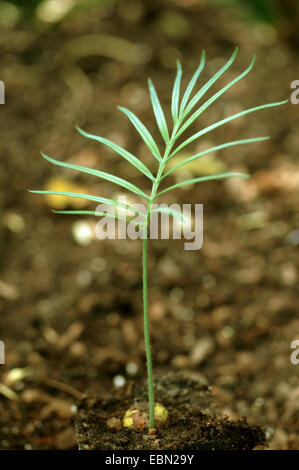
[(214, 97), (225, 121), (180, 112), (208, 85), (182, 119)]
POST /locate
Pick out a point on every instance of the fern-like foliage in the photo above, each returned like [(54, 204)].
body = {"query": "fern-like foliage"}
[(183, 115), (184, 112)]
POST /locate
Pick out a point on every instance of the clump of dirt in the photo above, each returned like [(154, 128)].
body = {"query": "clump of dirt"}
[(193, 421)]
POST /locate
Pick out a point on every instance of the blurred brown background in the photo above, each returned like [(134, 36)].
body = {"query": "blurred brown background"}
[(70, 305)]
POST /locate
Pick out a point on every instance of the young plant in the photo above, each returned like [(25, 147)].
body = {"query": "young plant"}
[(183, 115)]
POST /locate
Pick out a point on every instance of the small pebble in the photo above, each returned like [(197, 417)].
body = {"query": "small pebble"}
[(119, 381), (84, 278), (132, 369), (74, 409), (14, 222), (83, 232), (180, 361), (202, 350), (113, 423)]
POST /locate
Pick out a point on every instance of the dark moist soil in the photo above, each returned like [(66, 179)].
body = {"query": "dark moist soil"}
[(192, 422)]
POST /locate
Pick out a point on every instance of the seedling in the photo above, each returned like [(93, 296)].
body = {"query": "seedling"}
[(183, 115)]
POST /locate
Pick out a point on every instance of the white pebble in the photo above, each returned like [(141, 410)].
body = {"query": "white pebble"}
[(119, 381), (131, 368), (82, 232)]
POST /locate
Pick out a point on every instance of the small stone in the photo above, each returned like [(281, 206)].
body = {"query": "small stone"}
[(113, 424), (180, 361), (158, 311), (77, 349), (83, 232), (129, 332), (202, 350), (8, 291), (14, 222), (288, 274), (74, 409), (292, 238), (132, 369), (66, 439), (119, 381)]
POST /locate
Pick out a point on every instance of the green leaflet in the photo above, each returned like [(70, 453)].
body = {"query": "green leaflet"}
[(160, 118), (208, 85), (214, 98), (214, 149), (201, 179), (176, 94), (224, 121), (124, 153), (90, 197), (100, 174), (192, 83), (143, 132)]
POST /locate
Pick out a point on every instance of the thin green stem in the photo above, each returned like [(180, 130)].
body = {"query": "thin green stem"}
[(151, 394), (147, 337)]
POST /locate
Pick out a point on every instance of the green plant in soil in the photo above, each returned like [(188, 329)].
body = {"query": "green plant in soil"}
[(183, 115)]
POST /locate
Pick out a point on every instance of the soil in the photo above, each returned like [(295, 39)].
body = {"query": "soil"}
[(71, 314), (191, 425)]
